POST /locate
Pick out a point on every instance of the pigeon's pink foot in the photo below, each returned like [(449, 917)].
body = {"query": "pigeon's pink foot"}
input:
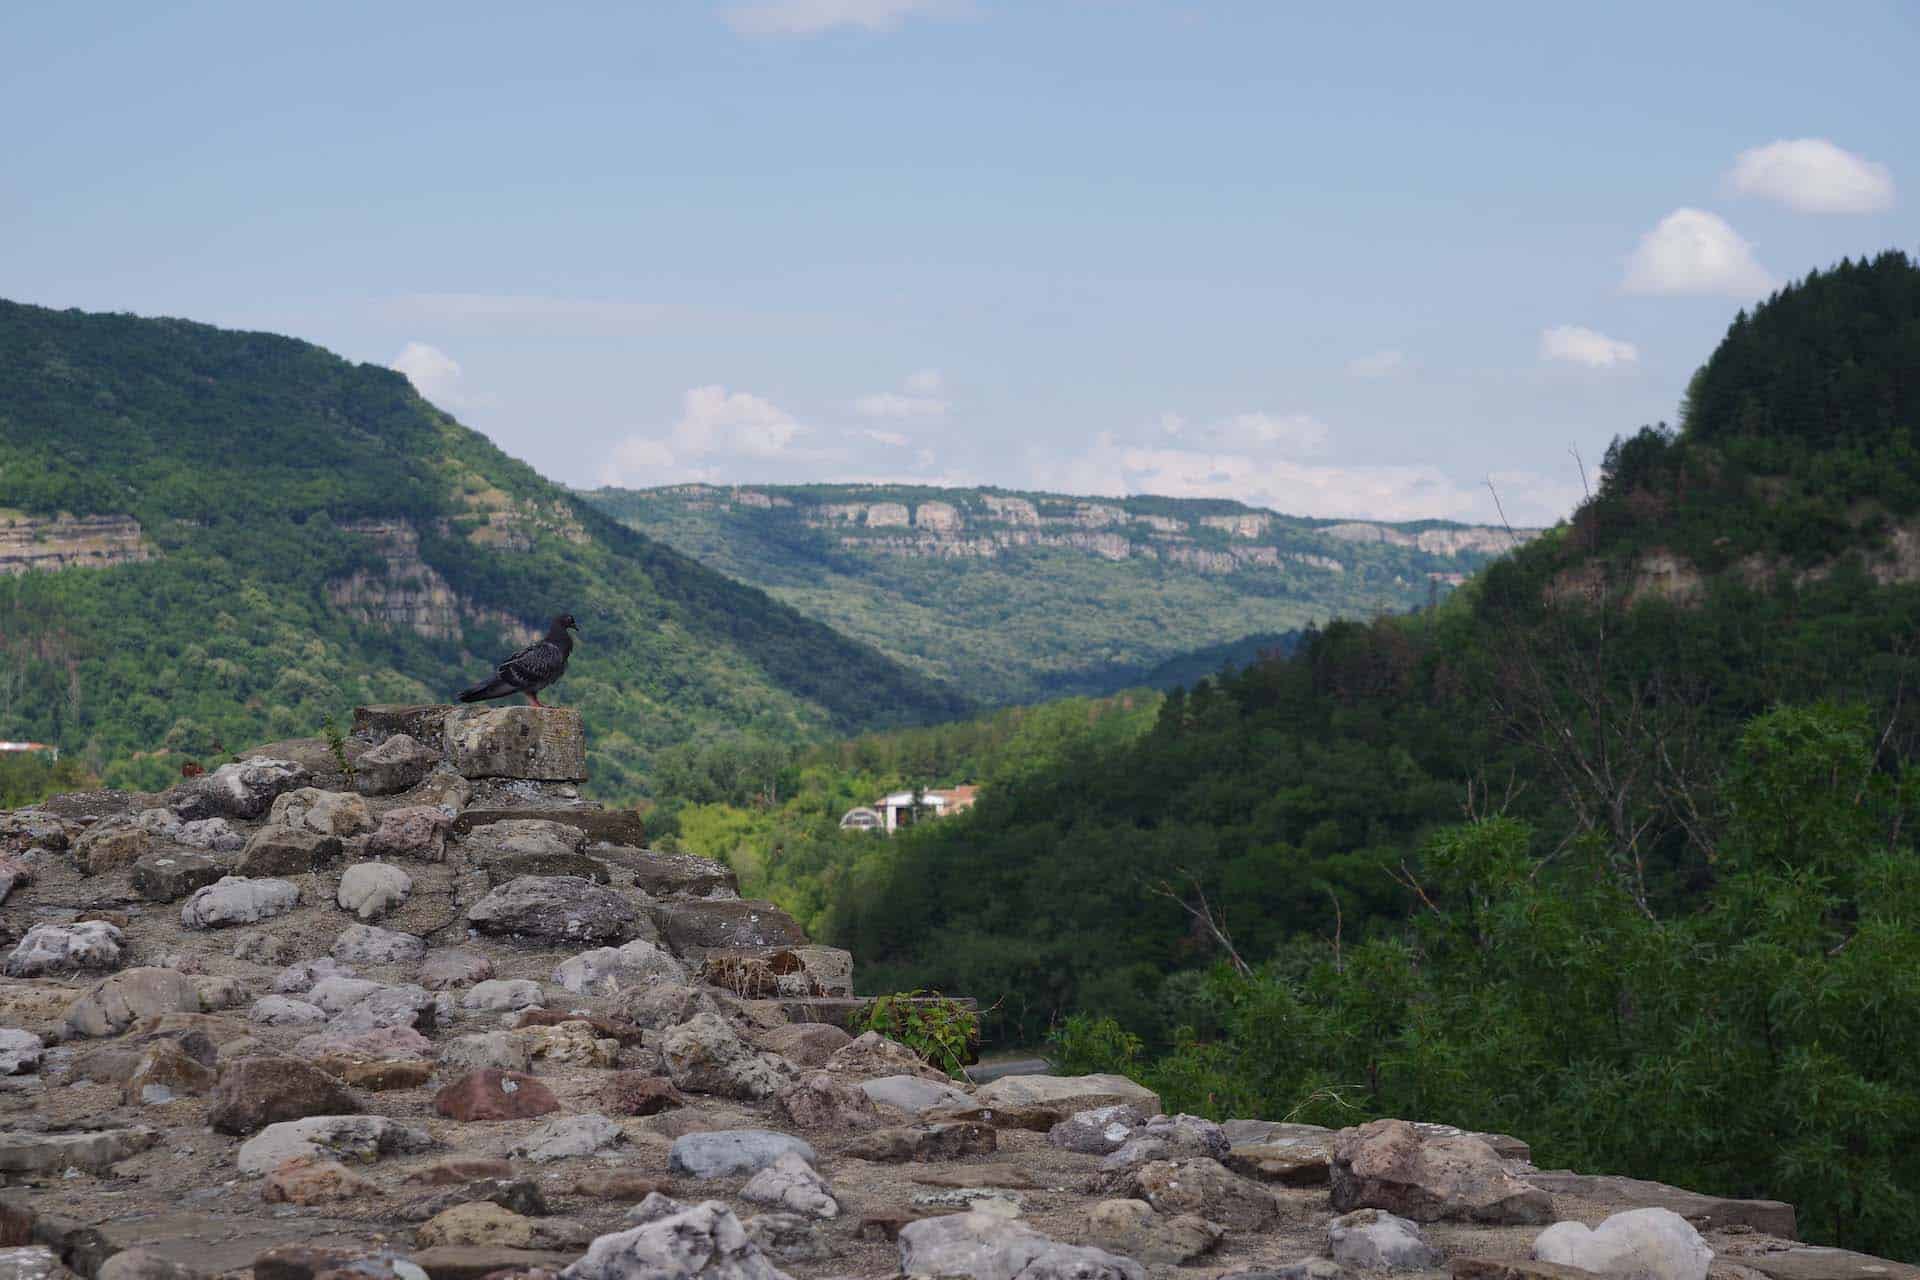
[(534, 699)]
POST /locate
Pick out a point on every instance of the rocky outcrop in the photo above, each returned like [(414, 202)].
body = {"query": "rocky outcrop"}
[(48, 544)]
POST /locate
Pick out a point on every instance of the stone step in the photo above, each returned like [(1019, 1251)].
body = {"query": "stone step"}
[(611, 826)]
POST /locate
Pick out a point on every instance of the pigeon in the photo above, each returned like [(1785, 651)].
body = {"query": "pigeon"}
[(530, 670)]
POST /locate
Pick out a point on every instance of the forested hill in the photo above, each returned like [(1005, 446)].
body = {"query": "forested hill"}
[(1614, 849), (1017, 596), (211, 538)]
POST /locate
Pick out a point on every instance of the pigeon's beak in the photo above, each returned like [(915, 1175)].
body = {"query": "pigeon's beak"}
[(577, 631)]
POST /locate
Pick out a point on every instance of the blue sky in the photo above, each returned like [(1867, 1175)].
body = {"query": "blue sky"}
[(1335, 259)]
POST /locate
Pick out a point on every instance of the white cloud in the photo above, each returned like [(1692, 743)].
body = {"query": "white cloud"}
[(1813, 176), (1578, 344), (718, 430), (1289, 433), (1381, 364), (437, 376), (1692, 251), (810, 17), (891, 404), (927, 382), (893, 438)]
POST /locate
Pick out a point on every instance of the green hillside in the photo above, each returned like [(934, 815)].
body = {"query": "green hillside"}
[(1613, 850), (211, 538), (1014, 597)]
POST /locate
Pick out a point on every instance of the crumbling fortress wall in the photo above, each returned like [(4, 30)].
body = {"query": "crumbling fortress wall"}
[(415, 1009)]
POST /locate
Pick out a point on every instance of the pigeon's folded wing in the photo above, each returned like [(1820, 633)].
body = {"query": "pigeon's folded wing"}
[(534, 666)]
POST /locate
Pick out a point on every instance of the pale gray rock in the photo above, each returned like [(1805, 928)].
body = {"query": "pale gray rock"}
[(238, 900), (1207, 1189), (243, 790), (32, 1262), (1639, 1244), (790, 1183), (730, 1153), (143, 1264), (705, 1242), (1078, 1093), (168, 875), (370, 944), (394, 766), (498, 995), (296, 979), (215, 835), (19, 1051), (665, 1004), (568, 1136), (914, 1094), (331, 813), (449, 967), (609, 971), (985, 1246), (398, 1006), (655, 1207), (532, 836), (1168, 1138), (67, 948), (557, 908), (217, 992), (384, 1045), (95, 1151), (261, 948), (822, 1100), (542, 744), (336, 993), (492, 1050), (416, 831), (344, 1138), (1375, 1240), (373, 889), (113, 1004), (1392, 1165), (789, 1237), (285, 1011), (705, 1055)]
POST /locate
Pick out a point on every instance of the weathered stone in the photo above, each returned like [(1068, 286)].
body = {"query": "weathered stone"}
[(337, 992), (1096, 1132), (168, 875), (478, 1223), (166, 1067), (416, 831), (113, 1004), (545, 744), (1205, 1188), (110, 845), (1388, 1164), (448, 967), (495, 1095), (705, 1242), (805, 1044), (489, 1050), (671, 875), (1073, 1093), (705, 1055), (986, 1246), (1470, 1268), (20, 1051), (789, 1237), (421, 721), (379, 1045), (477, 1262), (217, 992), (692, 927), (608, 971), (1167, 1138), (501, 994), (554, 908), (370, 944), (261, 948), (570, 1043), (256, 1092), (1639, 1244), (243, 790), (297, 979), (871, 1055), (373, 889), (331, 813), (730, 1153), (665, 1004), (1770, 1217), (632, 1093), (915, 1094), (93, 1152), (1132, 1229), (821, 1100), (67, 948), (569, 1136), (952, 1140), (1291, 1162), (393, 766), (506, 867), (397, 1006), (792, 1184), (378, 1077), (236, 900), (351, 1137), (460, 1170), (315, 1180), (32, 1262), (143, 1264), (286, 851), (1375, 1240)]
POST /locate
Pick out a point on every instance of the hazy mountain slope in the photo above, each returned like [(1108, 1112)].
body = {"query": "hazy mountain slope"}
[(1015, 597), (263, 533)]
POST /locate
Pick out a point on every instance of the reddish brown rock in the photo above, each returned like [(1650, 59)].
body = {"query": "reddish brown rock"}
[(631, 1093), (823, 1101), (606, 1028), (256, 1092), (459, 1170), (495, 1095), (306, 1180), (619, 1184)]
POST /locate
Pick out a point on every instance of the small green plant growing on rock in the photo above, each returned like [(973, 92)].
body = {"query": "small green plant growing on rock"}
[(337, 743), (938, 1028)]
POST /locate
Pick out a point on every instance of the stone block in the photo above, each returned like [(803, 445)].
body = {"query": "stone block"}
[(542, 744)]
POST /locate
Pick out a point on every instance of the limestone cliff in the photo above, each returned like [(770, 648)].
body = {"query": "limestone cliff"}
[(49, 543)]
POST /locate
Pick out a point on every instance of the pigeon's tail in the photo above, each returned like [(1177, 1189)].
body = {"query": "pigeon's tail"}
[(486, 689)]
